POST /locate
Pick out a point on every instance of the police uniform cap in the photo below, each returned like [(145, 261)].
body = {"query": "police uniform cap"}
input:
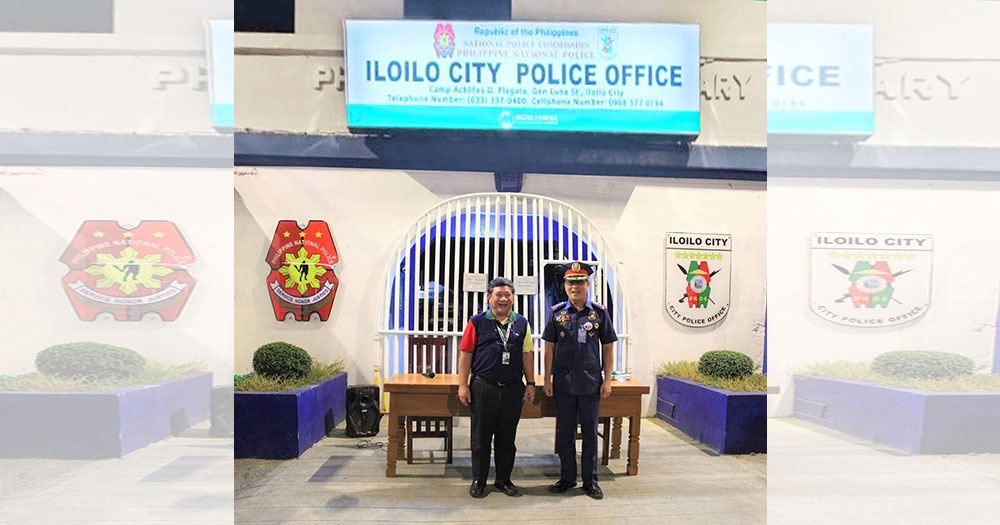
[(577, 271)]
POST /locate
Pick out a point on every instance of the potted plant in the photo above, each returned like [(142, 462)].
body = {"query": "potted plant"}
[(719, 401), (923, 402), (288, 403), (93, 400)]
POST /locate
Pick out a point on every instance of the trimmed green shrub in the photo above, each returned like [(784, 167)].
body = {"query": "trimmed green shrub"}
[(254, 382), (281, 360), (689, 370), (922, 364), (725, 364), (95, 361)]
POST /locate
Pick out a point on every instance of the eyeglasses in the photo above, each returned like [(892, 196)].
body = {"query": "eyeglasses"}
[(576, 283)]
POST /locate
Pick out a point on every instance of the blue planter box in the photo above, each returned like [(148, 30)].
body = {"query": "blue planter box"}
[(283, 425), (917, 421), (104, 424), (729, 422)]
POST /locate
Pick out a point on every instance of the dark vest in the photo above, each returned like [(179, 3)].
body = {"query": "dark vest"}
[(487, 356)]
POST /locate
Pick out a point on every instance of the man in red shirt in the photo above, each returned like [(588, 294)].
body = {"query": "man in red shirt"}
[(496, 349)]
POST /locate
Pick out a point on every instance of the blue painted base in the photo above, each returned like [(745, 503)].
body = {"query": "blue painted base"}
[(106, 424), (283, 425), (729, 422), (917, 421)]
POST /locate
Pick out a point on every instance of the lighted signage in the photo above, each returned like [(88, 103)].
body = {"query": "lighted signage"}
[(615, 78), (819, 79), (220, 67)]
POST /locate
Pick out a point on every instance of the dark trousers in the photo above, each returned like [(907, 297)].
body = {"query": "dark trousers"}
[(568, 409), (495, 413)]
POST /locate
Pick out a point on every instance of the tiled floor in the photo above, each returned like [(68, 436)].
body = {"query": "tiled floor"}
[(820, 476), (182, 479), (338, 482)]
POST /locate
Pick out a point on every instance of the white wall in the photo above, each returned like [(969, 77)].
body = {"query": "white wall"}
[(368, 210), (651, 212), (962, 217), (41, 210), (148, 76), (917, 45)]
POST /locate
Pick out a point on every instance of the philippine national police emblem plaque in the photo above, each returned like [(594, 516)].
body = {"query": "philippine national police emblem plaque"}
[(698, 270), (302, 281), (870, 280), (128, 273)]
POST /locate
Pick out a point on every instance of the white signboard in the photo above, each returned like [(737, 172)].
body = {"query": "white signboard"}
[(526, 285), (220, 67), (870, 280), (697, 280), (819, 79), (474, 282), (615, 78)]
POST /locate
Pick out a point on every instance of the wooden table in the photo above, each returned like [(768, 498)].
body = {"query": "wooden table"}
[(417, 395)]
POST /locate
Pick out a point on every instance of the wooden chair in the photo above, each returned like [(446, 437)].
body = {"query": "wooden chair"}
[(604, 432), (424, 351)]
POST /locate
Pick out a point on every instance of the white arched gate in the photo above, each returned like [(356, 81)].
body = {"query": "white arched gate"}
[(518, 236)]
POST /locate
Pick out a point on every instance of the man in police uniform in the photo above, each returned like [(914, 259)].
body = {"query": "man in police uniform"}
[(578, 339), (496, 347)]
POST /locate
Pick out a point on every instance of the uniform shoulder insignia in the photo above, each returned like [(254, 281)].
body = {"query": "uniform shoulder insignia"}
[(558, 306), (599, 305)]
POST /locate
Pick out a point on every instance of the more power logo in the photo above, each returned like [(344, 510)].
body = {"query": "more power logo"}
[(302, 281), (128, 272), (871, 280), (697, 281)]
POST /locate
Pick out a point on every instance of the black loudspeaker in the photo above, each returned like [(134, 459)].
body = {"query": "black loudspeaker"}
[(363, 414), (222, 411)]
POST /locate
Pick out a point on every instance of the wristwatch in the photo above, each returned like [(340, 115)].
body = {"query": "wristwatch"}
[(532, 383)]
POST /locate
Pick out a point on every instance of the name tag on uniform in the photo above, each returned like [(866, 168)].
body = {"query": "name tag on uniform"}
[(581, 335), (505, 358)]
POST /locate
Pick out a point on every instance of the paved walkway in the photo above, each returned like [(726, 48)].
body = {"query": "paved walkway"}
[(820, 476), (337, 482), (182, 479)]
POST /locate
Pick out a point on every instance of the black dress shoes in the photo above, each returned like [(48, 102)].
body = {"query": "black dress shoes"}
[(507, 488), (594, 491), (561, 486), (478, 489)]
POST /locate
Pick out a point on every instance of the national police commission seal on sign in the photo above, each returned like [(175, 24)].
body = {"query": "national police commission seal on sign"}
[(870, 280), (698, 269)]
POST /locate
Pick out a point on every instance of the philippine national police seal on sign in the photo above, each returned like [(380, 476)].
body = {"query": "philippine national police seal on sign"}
[(578, 347)]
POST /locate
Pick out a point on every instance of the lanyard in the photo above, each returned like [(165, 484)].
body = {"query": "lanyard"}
[(504, 334)]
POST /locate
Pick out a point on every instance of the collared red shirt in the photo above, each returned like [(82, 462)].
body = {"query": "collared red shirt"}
[(482, 338), (469, 335)]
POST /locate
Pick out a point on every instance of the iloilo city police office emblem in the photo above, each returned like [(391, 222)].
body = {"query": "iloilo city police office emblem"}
[(128, 272), (870, 280), (698, 270), (302, 281)]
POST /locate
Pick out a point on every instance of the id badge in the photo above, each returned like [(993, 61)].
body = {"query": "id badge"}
[(505, 358), (581, 335)]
